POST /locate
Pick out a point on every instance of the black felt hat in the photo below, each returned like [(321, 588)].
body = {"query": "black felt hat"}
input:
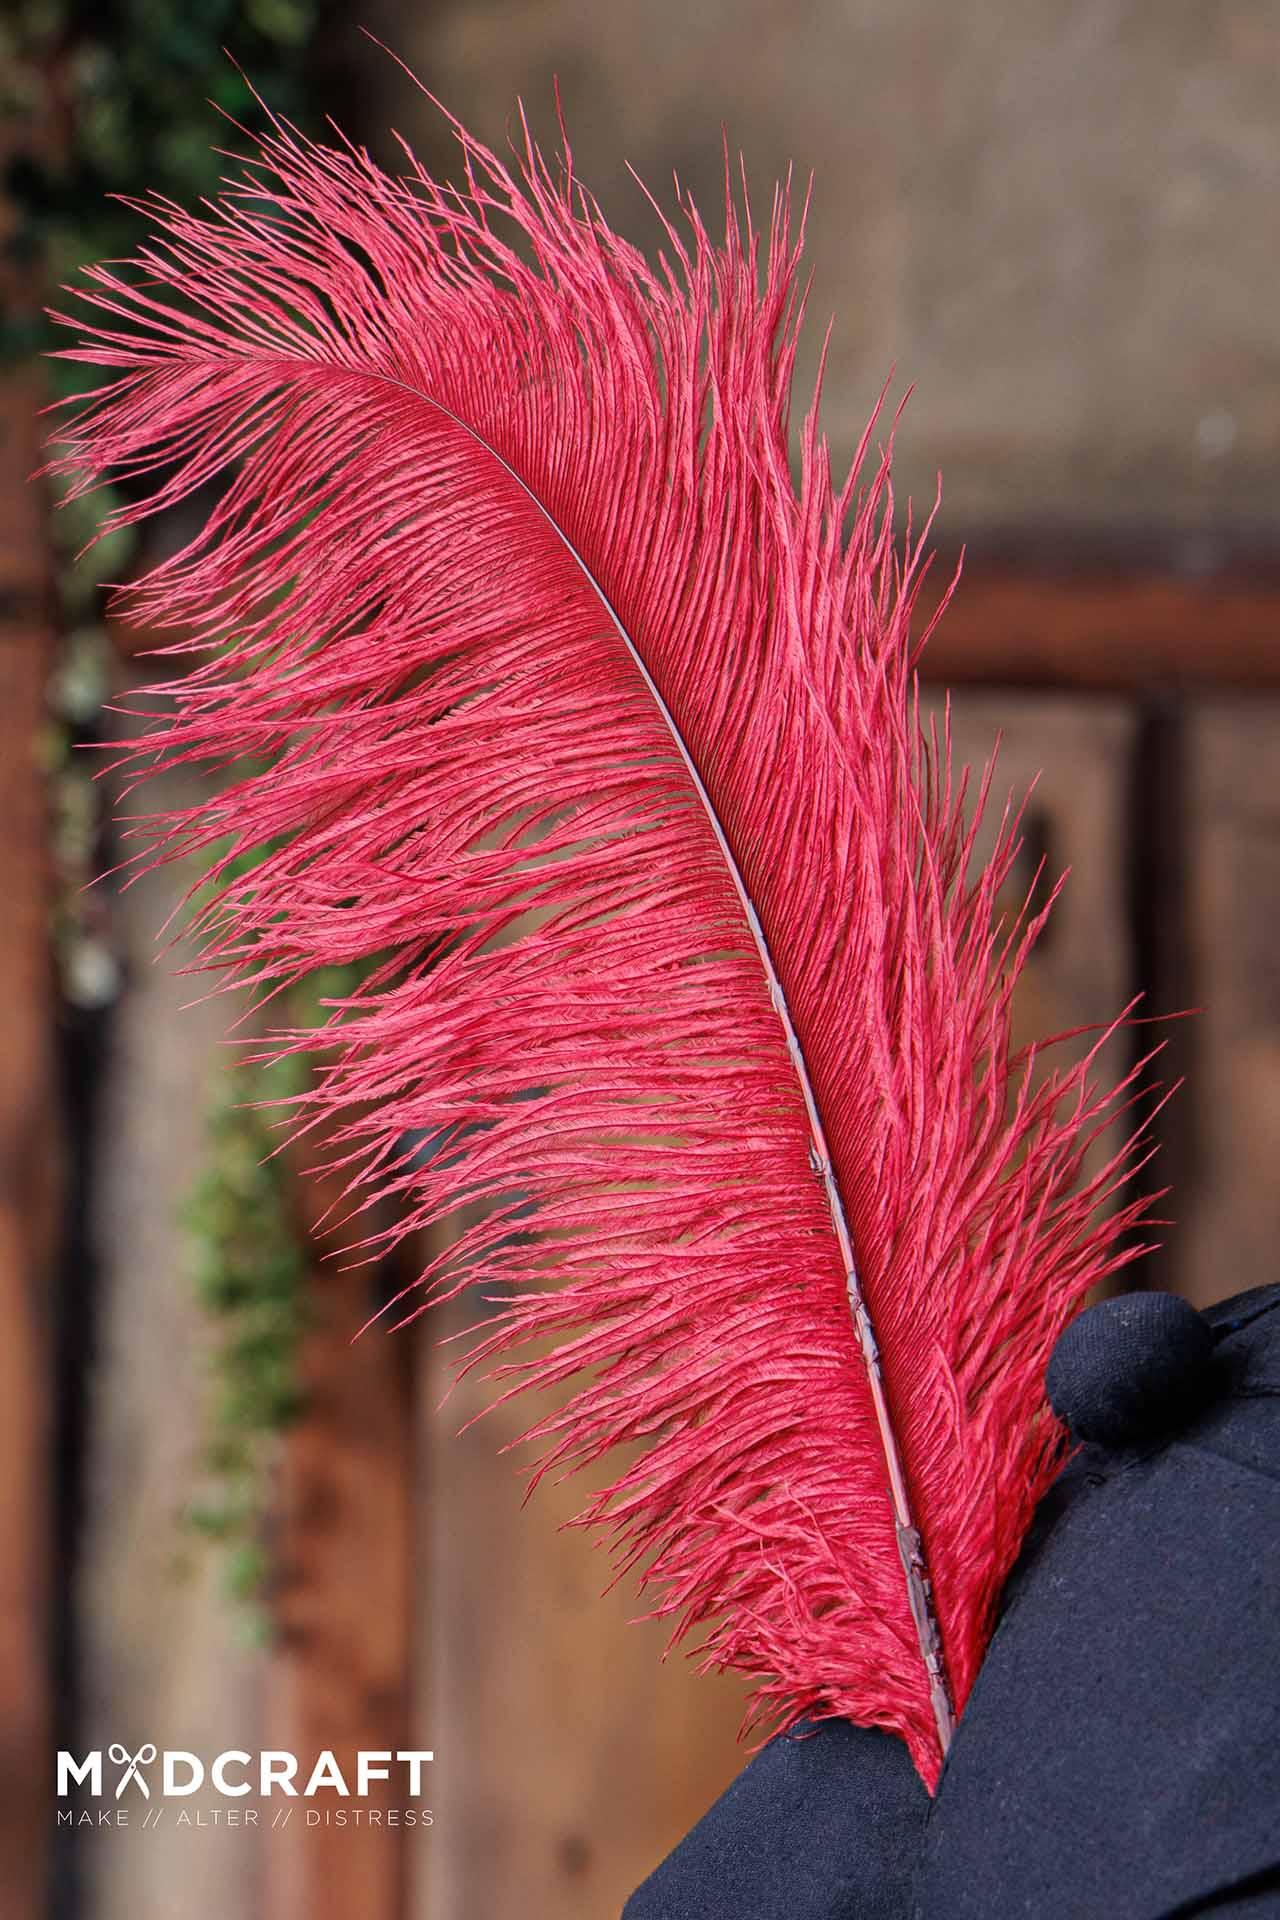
[(1120, 1751)]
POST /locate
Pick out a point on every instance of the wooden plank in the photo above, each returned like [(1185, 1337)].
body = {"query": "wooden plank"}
[(160, 1648), (1227, 1201), (29, 1152), (340, 1673), (1077, 751), (1017, 623), (570, 1757), (1097, 626), (159, 1636)]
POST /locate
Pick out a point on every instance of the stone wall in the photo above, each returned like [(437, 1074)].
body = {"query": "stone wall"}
[(1056, 219)]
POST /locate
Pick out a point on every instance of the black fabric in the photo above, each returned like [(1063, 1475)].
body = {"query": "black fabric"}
[(822, 1825), (1119, 1757), (1131, 1368), (1252, 1899), (1120, 1753)]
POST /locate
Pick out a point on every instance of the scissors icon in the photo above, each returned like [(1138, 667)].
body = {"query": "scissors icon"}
[(132, 1762)]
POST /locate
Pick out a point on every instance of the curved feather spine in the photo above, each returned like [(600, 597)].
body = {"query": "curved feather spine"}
[(910, 1544)]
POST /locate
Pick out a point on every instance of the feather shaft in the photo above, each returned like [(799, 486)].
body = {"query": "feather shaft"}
[(910, 1544)]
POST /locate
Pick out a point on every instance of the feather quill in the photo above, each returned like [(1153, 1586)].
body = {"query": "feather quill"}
[(537, 683)]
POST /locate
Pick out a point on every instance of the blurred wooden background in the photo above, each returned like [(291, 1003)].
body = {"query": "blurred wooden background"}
[(1076, 270)]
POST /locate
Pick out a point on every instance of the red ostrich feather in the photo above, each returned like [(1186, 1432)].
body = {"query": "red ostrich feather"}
[(539, 684)]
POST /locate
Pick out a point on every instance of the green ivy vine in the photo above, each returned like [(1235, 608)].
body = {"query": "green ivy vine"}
[(248, 1262), (248, 1266)]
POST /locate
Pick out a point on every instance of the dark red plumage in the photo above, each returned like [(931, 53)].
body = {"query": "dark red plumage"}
[(536, 676)]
